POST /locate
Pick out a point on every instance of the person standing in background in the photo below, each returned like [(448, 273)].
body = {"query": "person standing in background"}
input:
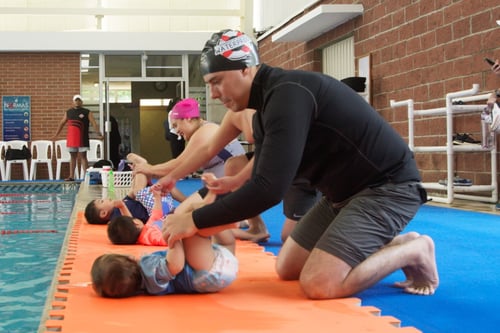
[(495, 68), (177, 142), (115, 140), (77, 138)]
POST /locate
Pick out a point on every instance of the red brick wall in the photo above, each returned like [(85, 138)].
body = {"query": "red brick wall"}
[(420, 50), (51, 79)]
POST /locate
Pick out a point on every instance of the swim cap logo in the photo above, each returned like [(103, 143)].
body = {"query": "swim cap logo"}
[(228, 50), (233, 45)]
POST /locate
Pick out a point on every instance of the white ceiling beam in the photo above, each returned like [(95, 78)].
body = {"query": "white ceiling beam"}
[(118, 11), (98, 41), (316, 22)]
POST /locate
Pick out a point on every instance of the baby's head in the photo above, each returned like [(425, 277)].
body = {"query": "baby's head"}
[(116, 276), (98, 211), (124, 230)]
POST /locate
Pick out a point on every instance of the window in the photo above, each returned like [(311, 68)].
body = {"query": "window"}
[(123, 65), (338, 59), (89, 70), (164, 66)]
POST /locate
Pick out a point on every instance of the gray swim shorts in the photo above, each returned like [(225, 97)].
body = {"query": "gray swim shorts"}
[(78, 149), (360, 226), (299, 198)]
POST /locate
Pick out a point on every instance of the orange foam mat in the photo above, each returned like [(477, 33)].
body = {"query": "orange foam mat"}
[(256, 301)]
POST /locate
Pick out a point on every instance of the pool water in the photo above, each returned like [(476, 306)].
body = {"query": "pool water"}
[(33, 223)]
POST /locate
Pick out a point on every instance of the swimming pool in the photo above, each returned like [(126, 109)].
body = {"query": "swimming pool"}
[(33, 222)]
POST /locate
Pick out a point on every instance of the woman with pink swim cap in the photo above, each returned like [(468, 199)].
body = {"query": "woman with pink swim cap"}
[(185, 109)]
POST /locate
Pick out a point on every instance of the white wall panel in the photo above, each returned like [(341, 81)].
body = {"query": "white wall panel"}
[(338, 59)]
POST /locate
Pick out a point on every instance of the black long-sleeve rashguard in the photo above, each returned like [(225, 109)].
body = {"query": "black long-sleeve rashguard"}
[(313, 126)]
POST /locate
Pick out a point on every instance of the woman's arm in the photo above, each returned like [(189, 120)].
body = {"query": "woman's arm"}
[(158, 170), (200, 149)]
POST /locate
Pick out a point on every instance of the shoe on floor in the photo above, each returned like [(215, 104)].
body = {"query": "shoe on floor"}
[(457, 181), (464, 139)]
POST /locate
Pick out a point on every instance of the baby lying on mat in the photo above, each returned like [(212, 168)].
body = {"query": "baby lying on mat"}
[(126, 229), (193, 265), (139, 201)]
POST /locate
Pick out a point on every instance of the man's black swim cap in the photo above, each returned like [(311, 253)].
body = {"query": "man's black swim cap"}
[(228, 50)]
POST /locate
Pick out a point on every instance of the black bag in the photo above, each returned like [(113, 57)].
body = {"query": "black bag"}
[(18, 154), (101, 163)]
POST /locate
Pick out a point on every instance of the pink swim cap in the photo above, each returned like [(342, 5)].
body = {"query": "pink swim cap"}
[(186, 108)]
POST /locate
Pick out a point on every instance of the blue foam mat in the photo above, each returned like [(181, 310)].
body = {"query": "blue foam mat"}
[(468, 255)]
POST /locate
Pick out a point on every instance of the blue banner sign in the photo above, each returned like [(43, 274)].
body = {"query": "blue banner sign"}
[(16, 115)]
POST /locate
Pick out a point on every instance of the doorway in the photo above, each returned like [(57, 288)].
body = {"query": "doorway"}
[(153, 144), (117, 83), (141, 117)]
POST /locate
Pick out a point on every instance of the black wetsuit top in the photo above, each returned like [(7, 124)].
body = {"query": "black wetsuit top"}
[(310, 125)]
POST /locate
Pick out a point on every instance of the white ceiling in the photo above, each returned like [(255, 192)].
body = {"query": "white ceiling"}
[(155, 25)]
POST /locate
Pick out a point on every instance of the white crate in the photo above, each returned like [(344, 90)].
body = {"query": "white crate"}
[(122, 178)]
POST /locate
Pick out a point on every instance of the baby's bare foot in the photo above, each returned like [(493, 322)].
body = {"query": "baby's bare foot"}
[(136, 159)]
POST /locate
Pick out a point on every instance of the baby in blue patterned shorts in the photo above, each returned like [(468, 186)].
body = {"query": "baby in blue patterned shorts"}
[(185, 268), (193, 265)]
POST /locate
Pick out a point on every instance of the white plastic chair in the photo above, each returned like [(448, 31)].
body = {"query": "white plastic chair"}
[(16, 144), (41, 153), (96, 151), (3, 149), (62, 156), (94, 154)]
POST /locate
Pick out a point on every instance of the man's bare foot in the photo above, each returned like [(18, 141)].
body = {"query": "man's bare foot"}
[(409, 278), (256, 232), (256, 237), (424, 275), (243, 224), (398, 240)]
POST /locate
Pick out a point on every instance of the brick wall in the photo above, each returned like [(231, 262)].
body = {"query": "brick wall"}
[(51, 79), (420, 50)]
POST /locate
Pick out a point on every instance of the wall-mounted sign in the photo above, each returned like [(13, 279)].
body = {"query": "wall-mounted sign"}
[(16, 115)]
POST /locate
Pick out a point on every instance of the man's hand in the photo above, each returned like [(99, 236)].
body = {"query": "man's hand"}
[(156, 191), (220, 185), (177, 227)]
